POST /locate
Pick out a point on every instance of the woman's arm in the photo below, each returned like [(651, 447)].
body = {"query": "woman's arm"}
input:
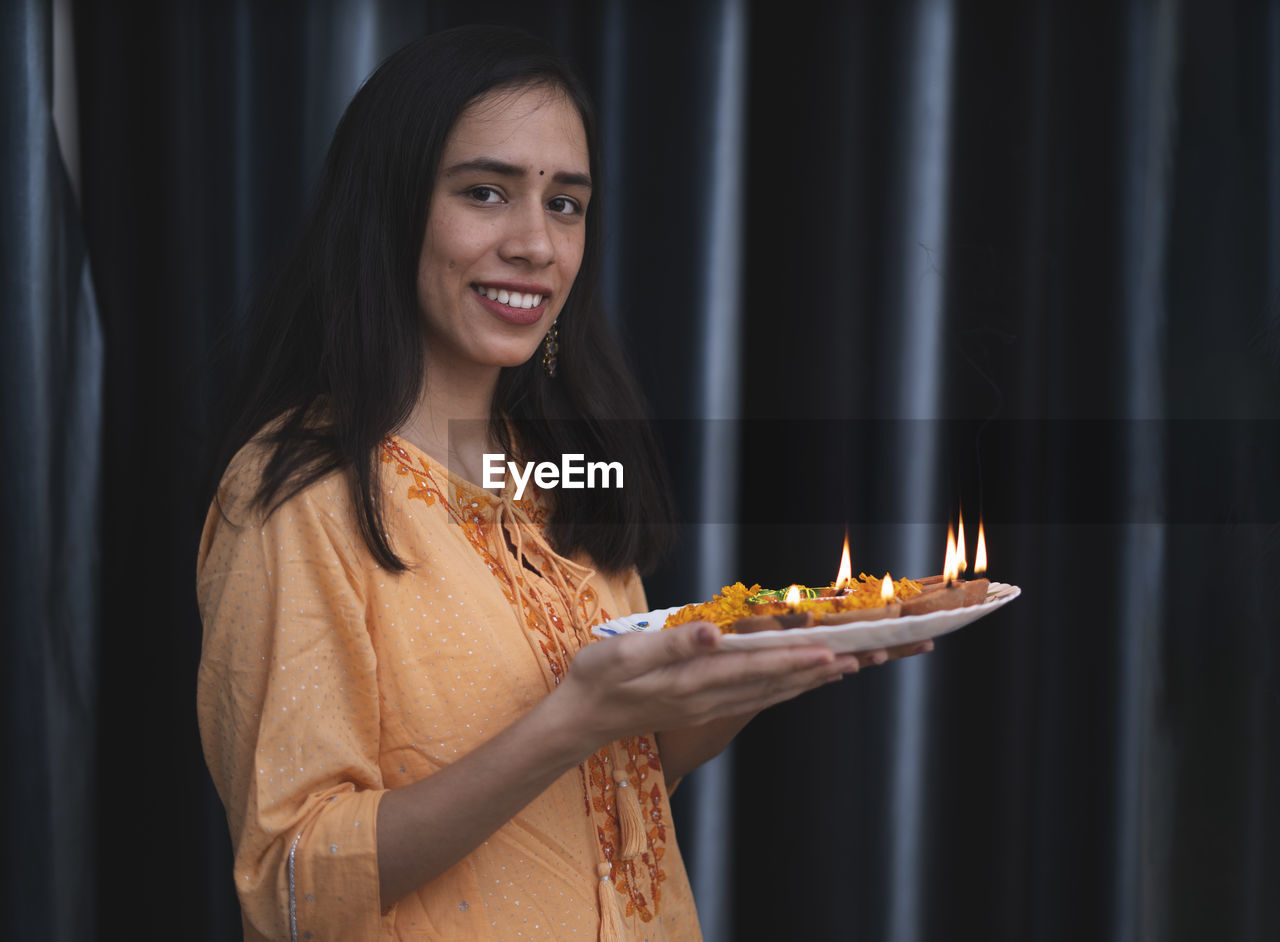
[(289, 712), (620, 687), (426, 827)]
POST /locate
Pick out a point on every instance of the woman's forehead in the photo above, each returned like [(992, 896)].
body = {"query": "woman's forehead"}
[(537, 122)]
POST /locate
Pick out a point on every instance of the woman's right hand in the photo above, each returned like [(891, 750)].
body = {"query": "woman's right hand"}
[(649, 682)]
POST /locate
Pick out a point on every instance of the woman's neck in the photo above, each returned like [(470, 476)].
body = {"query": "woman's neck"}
[(451, 421)]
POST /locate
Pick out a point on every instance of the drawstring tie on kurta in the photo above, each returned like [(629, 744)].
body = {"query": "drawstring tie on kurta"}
[(510, 519)]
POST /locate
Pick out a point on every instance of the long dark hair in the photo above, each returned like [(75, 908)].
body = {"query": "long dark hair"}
[(335, 356)]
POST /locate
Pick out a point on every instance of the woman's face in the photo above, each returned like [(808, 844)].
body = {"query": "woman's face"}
[(505, 232)]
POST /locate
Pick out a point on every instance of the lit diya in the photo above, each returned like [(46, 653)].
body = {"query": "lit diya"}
[(738, 609)]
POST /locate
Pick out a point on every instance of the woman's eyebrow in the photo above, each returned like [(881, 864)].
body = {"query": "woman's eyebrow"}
[(504, 169)]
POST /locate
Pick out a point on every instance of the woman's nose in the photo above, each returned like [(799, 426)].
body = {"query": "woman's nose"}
[(529, 237)]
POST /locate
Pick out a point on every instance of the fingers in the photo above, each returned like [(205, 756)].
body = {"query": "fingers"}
[(681, 643), (750, 669), (756, 682), (909, 650), (760, 696), (740, 681), (640, 653), (770, 690), (878, 656)]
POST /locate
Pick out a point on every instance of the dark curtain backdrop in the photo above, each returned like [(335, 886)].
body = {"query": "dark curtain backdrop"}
[(871, 262), (51, 426)]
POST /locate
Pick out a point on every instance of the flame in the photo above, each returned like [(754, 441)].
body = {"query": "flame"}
[(980, 554), (962, 562), (951, 568), (844, 575), (886, 589), (792, 596)]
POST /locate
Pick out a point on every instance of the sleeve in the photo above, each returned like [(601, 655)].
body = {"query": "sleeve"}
[(288, 708)]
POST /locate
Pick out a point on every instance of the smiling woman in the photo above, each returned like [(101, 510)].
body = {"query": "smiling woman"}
[(400, 702)]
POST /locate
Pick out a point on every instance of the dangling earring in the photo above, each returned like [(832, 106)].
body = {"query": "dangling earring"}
[(550, 350)]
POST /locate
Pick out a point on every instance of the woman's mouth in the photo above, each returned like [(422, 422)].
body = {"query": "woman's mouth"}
[(516, 299), (514, 307)]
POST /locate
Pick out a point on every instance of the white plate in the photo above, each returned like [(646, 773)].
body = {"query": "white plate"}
[(855, 636)]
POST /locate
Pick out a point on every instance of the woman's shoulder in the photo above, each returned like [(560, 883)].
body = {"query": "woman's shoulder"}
[(242, 478), (315, 525), (240, 495)]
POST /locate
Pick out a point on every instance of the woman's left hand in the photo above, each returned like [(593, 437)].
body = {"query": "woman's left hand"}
[(677, 678)]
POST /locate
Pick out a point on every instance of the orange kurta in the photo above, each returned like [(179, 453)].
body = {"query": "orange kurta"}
[(326, 680)]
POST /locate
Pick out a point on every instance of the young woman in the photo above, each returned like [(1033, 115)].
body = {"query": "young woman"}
[(399, 702)]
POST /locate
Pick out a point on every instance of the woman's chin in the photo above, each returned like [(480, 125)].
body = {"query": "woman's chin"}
[(496, 353), (513, 359), (516, 358)]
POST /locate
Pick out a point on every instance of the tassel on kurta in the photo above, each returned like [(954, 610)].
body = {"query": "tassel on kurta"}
[(630, 816), (610, 919)]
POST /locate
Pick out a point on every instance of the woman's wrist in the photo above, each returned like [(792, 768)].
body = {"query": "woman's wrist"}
[(565, 727)]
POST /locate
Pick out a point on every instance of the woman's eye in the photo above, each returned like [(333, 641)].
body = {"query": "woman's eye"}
[(564, 206), (485, 194)]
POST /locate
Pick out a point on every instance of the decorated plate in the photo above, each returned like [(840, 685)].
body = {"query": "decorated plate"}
[(852, 637)]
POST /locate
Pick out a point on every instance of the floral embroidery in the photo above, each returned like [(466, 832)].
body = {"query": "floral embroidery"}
[(545, 620)]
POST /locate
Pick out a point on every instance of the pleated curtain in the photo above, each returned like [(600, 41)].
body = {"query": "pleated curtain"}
[(874, 264)]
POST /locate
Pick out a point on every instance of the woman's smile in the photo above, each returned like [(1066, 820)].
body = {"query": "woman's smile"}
[(518, 303)]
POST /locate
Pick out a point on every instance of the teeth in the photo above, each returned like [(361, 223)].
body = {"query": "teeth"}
[(510, 298)]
